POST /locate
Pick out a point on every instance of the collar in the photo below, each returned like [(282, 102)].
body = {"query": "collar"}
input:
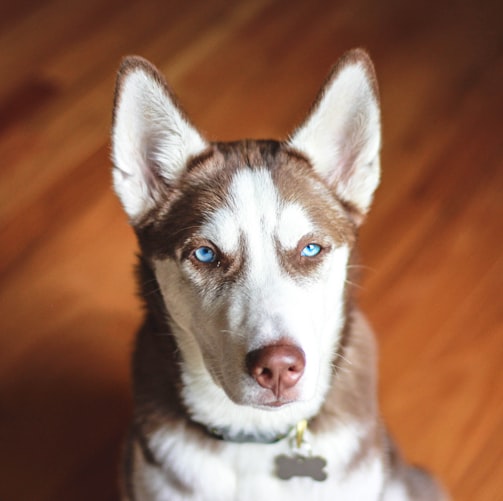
[(243, 437), (261, 438)]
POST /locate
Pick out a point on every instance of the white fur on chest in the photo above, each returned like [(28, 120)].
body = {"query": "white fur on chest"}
[(245, 472)]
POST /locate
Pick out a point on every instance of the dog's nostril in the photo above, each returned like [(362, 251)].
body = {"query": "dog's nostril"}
[(276, 367)]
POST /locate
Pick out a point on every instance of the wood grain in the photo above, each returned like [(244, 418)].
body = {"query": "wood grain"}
[(432, 246)]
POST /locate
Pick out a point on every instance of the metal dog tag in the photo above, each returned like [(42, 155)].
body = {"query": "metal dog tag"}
[(300, 466), (301, 463)]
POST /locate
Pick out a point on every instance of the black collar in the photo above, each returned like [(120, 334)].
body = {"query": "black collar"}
[(244, 437)]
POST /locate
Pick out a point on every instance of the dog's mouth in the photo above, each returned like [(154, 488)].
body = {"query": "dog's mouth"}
[(276, 403), (272, 377)]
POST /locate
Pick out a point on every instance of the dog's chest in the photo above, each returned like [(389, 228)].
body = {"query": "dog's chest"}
[(244, 472)]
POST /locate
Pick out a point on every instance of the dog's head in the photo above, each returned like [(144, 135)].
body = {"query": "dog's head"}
[(250, 241)]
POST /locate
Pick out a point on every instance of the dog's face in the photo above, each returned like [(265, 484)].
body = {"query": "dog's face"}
[(250, 241), (254, 256)]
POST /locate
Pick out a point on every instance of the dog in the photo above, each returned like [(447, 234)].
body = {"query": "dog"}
[(254, 371)]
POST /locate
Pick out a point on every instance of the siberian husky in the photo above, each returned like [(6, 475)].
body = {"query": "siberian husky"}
[(254, 371)]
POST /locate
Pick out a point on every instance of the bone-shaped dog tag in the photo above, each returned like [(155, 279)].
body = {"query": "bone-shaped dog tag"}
[(300, 466)]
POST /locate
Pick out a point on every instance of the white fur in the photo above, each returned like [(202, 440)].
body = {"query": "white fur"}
[(342, 136), (293, 224), (245, 472), (151, 141)]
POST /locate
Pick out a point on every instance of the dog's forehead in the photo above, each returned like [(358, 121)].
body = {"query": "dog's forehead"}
[(255, 208), (245, 190)]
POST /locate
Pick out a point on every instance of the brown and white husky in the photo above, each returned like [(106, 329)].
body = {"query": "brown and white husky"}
[(254, 371)]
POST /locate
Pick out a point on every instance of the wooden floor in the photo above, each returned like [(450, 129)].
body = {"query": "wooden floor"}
[(432, 246)]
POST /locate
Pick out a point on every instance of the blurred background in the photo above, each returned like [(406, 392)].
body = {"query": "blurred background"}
[(431, 247)]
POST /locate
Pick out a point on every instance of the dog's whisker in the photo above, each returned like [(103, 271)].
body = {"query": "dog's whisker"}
[(354, 284), (186, 228), (149, 281), (226, 331), (360, 267), (343, 357)]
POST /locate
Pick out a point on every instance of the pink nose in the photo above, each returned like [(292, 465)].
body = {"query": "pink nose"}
[(276, 367)]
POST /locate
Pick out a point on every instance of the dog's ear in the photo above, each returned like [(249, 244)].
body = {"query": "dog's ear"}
[(342, 134), (151, 138)]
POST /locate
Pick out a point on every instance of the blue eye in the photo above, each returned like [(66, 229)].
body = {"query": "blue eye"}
[(205, 255), (311, 250)]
